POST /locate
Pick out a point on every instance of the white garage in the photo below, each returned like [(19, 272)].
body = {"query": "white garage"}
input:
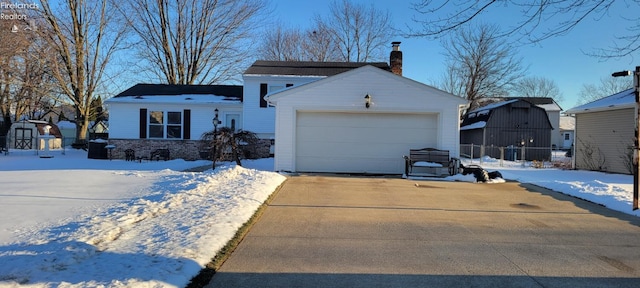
[(331, 126)]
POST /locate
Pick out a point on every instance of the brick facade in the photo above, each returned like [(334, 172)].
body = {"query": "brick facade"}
[(180, 149)]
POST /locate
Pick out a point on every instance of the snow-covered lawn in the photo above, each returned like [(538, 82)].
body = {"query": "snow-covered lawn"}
[(75, 222)]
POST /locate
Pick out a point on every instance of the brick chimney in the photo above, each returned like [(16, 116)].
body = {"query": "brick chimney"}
[(395, 59)]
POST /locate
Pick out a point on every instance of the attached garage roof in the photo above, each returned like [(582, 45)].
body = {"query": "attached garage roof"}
[(621, 100), (307, 68)]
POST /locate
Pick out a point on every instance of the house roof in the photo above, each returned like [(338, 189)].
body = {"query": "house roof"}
[(274, 97), (620, 100), (234, 91), (166, 93), (307, 68), (567, 123)]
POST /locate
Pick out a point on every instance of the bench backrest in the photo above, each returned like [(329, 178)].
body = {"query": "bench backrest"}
[(429, 155)]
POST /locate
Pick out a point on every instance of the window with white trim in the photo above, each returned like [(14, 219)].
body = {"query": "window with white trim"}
[(165, 125)]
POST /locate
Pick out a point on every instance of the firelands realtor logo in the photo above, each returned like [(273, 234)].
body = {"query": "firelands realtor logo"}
[(17, 12)]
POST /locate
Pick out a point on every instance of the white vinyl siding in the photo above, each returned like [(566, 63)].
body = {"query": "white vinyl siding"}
[(124, 118), (609, 134), (260, 120)]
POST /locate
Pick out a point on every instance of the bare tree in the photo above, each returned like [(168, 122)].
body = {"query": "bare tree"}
[(25, 78), (361, 32), (537, 87), (282, 44), (537, 21), (607, 86), (83, 35), (291, 44), (479, 65), (319, 46), (194, 41)]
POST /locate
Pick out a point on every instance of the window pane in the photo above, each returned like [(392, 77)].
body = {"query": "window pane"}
[(156, 131), (156, 117), (274, 88), (174, 117), (174, 131)]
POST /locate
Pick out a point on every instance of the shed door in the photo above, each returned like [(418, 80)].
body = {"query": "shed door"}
[(360, 142)]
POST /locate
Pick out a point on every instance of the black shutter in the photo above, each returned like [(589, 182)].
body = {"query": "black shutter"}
[(143, 123), (186, 124), (263, 92)]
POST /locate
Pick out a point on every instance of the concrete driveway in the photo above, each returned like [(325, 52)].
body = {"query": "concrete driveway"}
[(322, 231)]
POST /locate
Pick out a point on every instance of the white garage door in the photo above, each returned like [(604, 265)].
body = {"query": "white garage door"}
[(360, 142)]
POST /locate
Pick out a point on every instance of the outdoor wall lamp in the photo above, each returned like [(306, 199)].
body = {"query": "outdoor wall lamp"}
[(367, 101)]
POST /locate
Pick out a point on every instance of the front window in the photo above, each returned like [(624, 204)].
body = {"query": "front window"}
[(174, 125), (163, 123)]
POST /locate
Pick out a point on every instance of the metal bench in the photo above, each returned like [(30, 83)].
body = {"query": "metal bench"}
[(430, 159), (160, 154)]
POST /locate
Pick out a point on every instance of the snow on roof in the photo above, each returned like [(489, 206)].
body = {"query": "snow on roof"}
[(567, 123), (621, 100), (549, 107), (66, 125), (176, 99), (477, 125)]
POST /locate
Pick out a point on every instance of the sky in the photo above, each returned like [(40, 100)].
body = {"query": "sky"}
[(561, 59), (71, 221)]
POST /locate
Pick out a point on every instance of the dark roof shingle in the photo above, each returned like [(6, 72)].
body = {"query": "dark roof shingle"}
[(234, 91), (308, 68)]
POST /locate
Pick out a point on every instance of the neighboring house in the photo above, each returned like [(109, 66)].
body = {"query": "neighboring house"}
[(513, 124), (567, 127), (604, 133), (361, 121), (147, 117)]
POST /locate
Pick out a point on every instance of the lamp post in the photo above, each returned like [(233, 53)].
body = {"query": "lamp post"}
[(215, 121), (636, 88)]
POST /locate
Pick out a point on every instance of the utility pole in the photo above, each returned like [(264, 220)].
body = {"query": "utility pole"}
[(636, 143)]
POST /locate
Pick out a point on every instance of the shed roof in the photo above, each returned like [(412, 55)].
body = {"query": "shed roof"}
[(620, 100), (478, 118), (307, 68)]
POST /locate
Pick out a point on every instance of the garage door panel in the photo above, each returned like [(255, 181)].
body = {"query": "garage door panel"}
[(359, 142), (349, 134)]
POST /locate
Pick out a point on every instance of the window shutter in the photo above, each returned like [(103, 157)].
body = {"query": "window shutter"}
[(186, 124), (263, 92), (143, 123)]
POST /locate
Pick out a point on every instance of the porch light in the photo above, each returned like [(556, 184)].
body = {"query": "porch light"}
[(367, 101)]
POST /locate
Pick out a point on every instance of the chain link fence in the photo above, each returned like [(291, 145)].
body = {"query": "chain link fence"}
[(538, 157)]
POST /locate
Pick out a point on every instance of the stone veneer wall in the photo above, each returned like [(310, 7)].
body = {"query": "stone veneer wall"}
[(178, 149)]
